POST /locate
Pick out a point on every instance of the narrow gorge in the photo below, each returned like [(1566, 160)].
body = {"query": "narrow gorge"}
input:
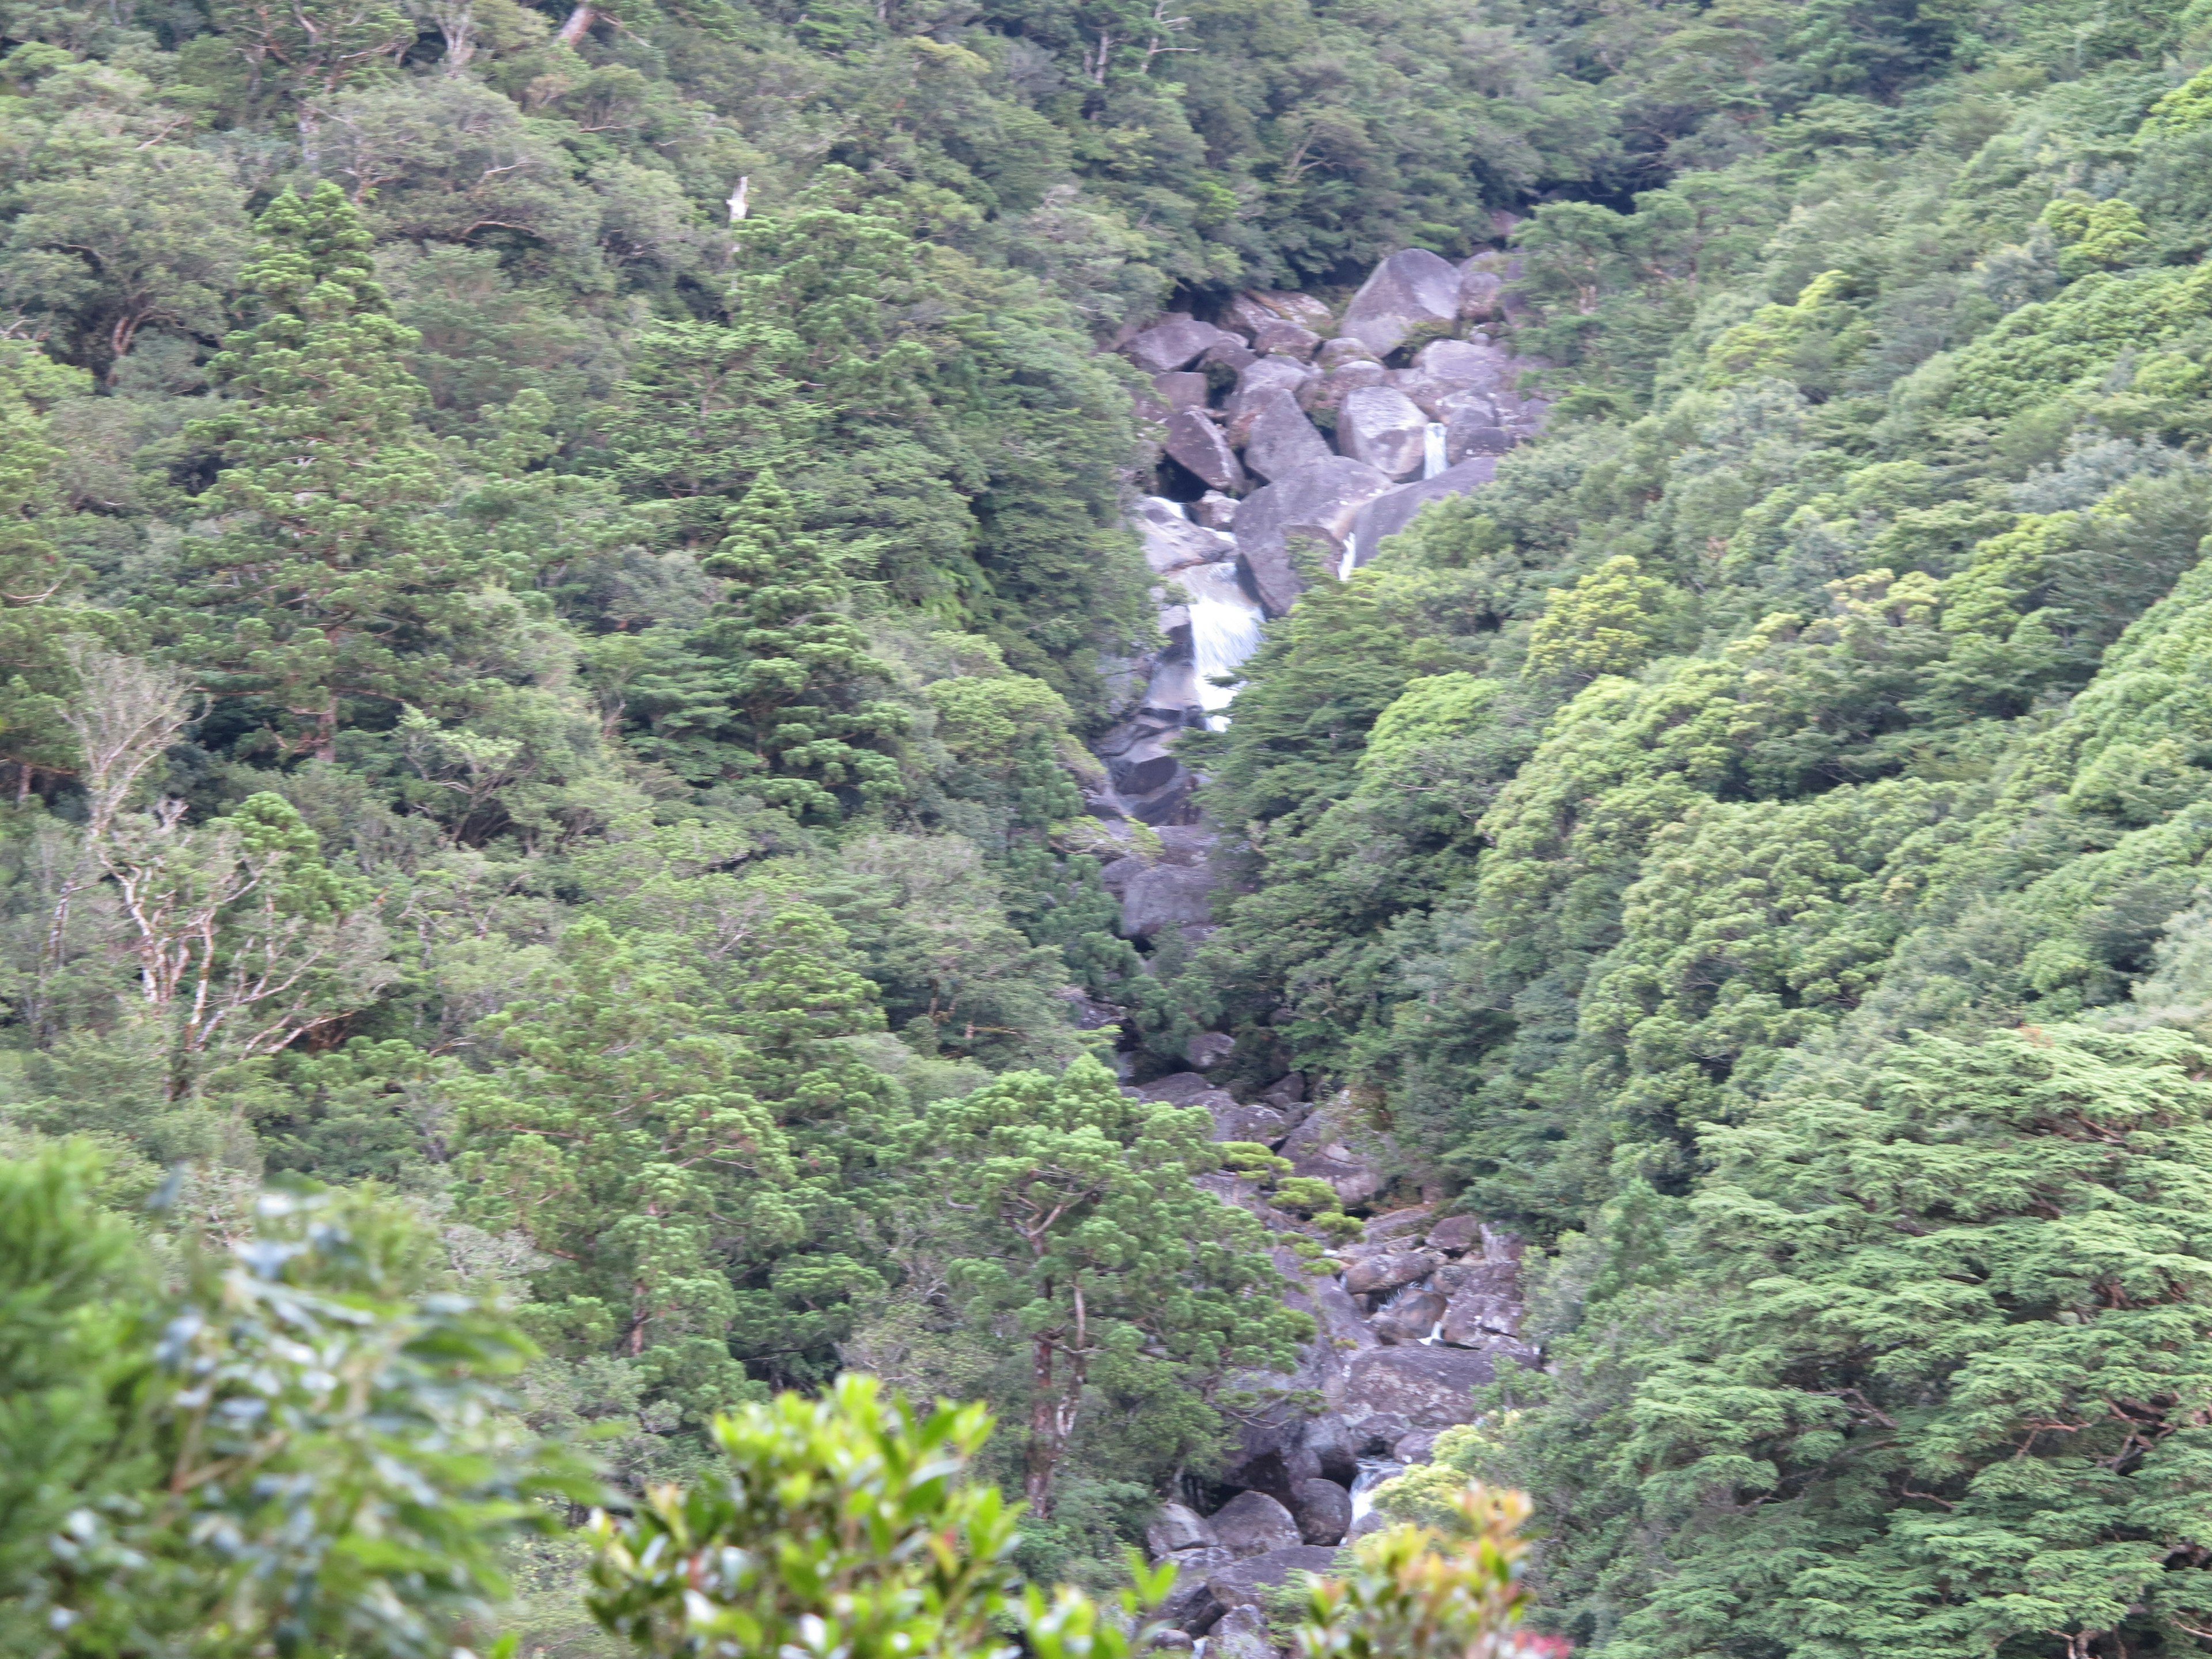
[(1290, 443)]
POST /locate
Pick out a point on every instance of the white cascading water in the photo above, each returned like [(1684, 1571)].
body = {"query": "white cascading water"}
[(1224, 630), (1433, 449), (1350, 562), (1373, 1472)]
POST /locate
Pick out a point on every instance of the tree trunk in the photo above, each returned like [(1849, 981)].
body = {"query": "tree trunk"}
[(578, 26), (1043, 1453)]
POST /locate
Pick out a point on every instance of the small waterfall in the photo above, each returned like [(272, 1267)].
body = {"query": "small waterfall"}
[(1351, 559), (1433, 449), (1181, 509), (1224, 630), (1373, 1472)]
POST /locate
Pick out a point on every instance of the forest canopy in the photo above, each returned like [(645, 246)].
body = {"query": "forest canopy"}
[(561, 568)]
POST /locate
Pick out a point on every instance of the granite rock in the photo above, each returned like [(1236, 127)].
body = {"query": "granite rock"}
[(1196, 442), (1279, 440), (1410, 288), (1252, 1524), (1382, 427), (1318, 502), (1323, 1509), (1166, 346)]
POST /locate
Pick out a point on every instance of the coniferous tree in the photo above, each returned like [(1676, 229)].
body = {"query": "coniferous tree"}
[(1092, 1242), (335, 579), (775, 691)]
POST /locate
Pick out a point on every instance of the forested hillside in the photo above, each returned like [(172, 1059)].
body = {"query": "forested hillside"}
[(621, 792)]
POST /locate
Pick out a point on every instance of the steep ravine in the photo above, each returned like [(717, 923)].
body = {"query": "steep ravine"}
[(1280, 423)]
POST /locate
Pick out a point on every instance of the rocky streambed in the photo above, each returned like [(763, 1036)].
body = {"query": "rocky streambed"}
[(1292, 442), (1412, 1316)]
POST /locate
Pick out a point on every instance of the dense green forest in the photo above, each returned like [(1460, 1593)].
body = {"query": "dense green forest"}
[(575, 597)]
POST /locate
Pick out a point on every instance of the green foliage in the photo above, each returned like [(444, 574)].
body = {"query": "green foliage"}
[(1969, 1351), (339, 580), (304, 1448), (841, 1524), (1418, 1592), (1091, 1244), (1603, 625), (773, 692)]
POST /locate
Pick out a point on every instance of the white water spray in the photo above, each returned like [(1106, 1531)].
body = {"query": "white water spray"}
[(1373, 1472), (1433, 449), (1224, 630), (1350, 562)]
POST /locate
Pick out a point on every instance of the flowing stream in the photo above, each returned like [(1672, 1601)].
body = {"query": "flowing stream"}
[(1373, 1472), (1433, 449)]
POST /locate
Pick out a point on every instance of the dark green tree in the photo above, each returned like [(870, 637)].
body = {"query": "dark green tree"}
[(776, 690), (335, 579), (1094, 1245)]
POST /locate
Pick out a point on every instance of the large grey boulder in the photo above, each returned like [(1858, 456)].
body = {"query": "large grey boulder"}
[(1471, 431), (1318, 502), (1481, 287), (1176, 1528), (1245, 1584), (1144, 765), (1377, 1273), (1456, 1233), (1382, 427), (1240, 1633), (1388, 514), (1340, 1326), (1344, 350), (1172, 691), (1166, 346), (1165, 896), (1177, 1088), (1300, 308), (1316, 1149), (1214, 510), (1413, 1317), (1182, 390), (1433, 397), (1191, 1606), (1486, 1303), (1329, 392), (1287, 339), (1408, 290), (1194, 441), (1256, 387), (1426, 1387), (1408, 1224), (1173, 543), (1252, 1524), (1472, 363), (1280, 440), (1324, 1511), (1247, 315), (1237, 1120), (1208, 1049)]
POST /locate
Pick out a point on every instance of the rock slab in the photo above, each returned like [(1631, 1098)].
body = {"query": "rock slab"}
[(1407, 290), (1197, 443), (1318, 502), (1252, 1524)]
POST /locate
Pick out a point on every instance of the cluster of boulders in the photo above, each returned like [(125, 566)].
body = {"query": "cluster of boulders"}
[(1290, 437), (1410, 1318), (1293, 440)]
